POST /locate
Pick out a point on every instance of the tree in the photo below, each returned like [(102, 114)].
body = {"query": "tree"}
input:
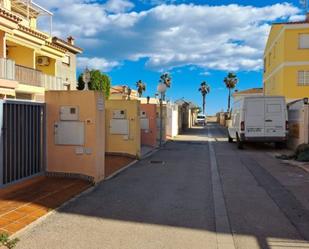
[(230, 81), (204, 89), (141, 87), (166, 79), (98, 82)]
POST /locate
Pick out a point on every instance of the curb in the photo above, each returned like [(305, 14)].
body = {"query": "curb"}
[(120, 170), (85, 192)]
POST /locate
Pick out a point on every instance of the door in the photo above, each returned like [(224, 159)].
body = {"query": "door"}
[(22, 140), (254, 117), (275, 118)]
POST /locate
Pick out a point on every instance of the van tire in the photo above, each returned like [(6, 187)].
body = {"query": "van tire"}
[(280, 145), (240, 144)]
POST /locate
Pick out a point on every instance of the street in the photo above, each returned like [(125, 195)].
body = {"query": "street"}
[(198, 191)]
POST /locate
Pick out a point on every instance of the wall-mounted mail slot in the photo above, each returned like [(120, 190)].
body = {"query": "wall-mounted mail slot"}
[(69, 133), (119, 127), (69, 113), (119, 114), (144, 124)]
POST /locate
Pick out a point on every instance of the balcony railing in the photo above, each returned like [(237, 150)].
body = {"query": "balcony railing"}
[(7, 69), (29, 76)]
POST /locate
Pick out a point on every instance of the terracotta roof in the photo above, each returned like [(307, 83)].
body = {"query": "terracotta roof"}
[(32, 32), (288, 23), (249, 91), (67, 45), (6, 14)]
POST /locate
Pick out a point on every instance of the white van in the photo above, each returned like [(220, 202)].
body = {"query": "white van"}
[(259, 119), (200, 120)]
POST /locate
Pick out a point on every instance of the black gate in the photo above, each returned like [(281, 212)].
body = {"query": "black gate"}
[(22, 140)]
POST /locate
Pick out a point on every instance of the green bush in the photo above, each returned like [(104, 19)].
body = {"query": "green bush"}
[(7, 242), (302, 153)]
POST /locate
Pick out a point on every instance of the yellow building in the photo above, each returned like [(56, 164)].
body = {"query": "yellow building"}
[(286, 60), (32, 61)]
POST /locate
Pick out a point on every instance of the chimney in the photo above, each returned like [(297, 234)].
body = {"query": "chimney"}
[(70, 40)]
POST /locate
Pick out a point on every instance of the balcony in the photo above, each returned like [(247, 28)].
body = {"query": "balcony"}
[(28, 76)]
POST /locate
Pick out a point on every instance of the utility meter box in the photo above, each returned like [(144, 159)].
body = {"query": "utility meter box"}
[(69, 113), (143, 114), (119, 127), (69, 133), (144, 124), (119, 114)]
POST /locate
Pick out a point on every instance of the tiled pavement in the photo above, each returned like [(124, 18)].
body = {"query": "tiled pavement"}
[(25, 202), (115, 162)]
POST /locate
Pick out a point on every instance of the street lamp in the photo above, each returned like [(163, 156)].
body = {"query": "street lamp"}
[(161, 90), (86, 78), (164, 83)]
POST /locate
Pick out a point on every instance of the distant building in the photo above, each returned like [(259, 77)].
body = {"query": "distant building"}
[(286, 60), (122, 92), (249, 92)]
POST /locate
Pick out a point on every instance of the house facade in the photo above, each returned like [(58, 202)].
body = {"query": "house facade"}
[(32, 61), (286, 60)]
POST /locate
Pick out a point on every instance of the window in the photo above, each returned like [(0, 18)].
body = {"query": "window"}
[(272, 108), (66, 59), (303, 78), (265, 65), (303, 41), (269, 59)]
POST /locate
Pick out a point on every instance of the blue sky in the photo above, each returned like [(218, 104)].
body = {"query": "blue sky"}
[(193, 40)]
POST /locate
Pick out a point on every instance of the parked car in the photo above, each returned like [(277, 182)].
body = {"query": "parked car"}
[(201, 120), (259, 119)]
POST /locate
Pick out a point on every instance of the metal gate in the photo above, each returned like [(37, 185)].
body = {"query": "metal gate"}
[(22, 147)]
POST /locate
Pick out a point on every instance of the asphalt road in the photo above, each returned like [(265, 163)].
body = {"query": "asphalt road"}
[(168, 201)]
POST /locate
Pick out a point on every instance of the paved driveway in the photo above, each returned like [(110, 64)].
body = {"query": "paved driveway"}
[(192, 194)]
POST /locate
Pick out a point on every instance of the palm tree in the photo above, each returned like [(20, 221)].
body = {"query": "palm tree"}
[(141, 87), (204, 89), (230, 81)]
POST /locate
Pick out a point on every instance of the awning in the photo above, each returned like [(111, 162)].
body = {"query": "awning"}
[(7, 91)]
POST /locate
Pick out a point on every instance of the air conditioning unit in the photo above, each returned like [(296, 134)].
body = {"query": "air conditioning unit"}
[(42, 61)]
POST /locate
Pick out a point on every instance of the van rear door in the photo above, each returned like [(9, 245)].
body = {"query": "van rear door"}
[(275, 119), (254, 117)]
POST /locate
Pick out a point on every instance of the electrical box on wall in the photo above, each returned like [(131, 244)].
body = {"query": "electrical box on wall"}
[(119, 114), (119, 127), (143, 114), (69, 113), (144, 124), (69, 133)]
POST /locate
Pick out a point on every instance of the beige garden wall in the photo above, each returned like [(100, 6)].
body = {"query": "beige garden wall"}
[(86, 159), (117, 140)]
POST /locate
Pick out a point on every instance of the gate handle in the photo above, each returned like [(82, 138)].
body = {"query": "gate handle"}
[(268, 120)]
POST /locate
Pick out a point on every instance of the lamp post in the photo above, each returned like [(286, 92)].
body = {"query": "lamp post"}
[(86, 78), (161, 89)]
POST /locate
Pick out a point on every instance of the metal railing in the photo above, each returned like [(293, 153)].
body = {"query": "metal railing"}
[(7, 69), (34, 77), (28, 76)]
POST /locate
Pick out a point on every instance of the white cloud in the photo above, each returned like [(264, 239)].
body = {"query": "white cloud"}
[(96, 63), (118, 6), (227, 37)]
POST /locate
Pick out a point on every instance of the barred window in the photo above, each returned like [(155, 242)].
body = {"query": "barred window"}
[(303, 78)]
